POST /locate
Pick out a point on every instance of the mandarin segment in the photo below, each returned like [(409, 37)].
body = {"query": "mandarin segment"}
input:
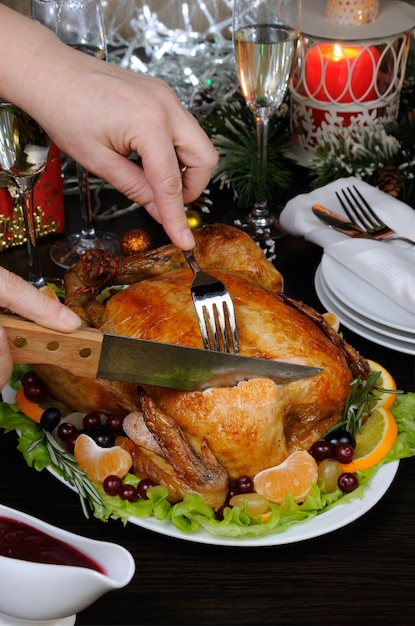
[(295, 475), (97, 462)]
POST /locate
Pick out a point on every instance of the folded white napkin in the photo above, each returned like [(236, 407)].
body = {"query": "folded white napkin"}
[(388, 266)]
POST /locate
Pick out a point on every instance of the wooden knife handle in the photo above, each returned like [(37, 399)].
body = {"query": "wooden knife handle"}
[(77, 352)]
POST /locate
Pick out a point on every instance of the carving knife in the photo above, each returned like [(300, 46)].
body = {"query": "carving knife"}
[(91, 353), (339, 223)]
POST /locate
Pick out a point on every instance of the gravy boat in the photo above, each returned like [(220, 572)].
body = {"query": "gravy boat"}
[(45, 594)]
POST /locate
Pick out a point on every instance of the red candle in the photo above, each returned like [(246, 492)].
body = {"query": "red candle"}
[(340, 73)]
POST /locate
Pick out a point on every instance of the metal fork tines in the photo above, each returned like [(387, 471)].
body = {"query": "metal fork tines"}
[(359, 211), (214, 309)]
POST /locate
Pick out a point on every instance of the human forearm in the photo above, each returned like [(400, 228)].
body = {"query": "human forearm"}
[(99, 114)]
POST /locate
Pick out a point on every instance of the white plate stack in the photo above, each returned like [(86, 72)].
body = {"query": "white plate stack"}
[(364, 309)]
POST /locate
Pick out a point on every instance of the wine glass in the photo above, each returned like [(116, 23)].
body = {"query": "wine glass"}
[(265, 36), (24, 149), (79, 24)]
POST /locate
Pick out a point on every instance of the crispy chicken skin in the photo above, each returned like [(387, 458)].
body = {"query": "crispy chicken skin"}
[(200, 441), (256, 422), (217, 246)]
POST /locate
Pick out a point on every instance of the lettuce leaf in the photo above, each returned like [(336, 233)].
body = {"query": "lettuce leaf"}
[(403, 410), (193, 513), (31, 437)]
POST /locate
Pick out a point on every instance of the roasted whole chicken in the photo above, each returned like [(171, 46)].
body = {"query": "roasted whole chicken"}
[(202, 441)]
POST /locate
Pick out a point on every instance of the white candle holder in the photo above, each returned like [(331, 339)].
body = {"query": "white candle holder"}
[(351, 65)]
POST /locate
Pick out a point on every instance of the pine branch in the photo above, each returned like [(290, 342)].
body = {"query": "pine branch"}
[(232, 129)]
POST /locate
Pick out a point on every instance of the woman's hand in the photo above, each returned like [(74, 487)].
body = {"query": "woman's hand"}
[(99, 114), (22, 298)]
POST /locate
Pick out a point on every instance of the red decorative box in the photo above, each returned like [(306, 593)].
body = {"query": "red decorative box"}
[(49, 205)]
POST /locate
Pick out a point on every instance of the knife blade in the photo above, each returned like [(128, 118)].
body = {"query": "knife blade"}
[(339, 223), (91, 353)]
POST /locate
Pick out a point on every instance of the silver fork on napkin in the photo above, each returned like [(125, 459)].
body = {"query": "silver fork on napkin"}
[(359, 212)]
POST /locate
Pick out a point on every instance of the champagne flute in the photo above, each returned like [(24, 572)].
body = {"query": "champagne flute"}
[(24, 149), (265, 35), (79, 24)]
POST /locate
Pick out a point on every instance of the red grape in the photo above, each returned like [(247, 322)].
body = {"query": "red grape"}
[(220, 511), (143, 486), (344, 453), (91, 420), (114, 423), (30, 378), (244, 484), (35, 392), (321, 450), (128, 492), (66, 430), (70, 442), (232, 492), (112, 485), (348, 482)]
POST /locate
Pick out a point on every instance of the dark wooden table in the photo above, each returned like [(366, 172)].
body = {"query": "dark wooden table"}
[(361, 574)]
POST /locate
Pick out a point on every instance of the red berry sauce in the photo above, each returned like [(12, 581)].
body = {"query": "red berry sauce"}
[(21, 541)]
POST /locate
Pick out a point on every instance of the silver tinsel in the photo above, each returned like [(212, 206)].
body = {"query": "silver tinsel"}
[(186, 44)]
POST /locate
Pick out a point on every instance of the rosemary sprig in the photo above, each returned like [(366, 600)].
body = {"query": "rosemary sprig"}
[(360, 401), (72, 473)]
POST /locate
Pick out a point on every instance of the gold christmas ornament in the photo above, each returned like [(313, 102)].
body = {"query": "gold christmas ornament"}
[(194, 219), (135, 241)]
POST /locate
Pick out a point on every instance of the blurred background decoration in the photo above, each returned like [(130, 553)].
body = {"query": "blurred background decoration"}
[(189, 45)]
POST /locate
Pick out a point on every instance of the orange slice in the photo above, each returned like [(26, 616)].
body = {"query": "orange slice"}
[(33, 410), (29, 408), (97, 462), (374, 441), (295, 475), (385, 381)]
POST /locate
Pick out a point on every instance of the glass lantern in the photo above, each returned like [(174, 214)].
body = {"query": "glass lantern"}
[(351, 65)]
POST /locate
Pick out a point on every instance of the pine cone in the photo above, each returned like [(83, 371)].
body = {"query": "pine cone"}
[(390, 180)]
